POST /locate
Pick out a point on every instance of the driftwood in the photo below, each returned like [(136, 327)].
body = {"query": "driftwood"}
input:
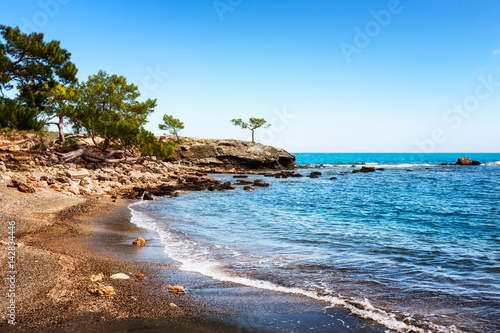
[(92, 158)]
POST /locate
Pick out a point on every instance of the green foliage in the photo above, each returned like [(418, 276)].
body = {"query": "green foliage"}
[(172, 125), (107, 107), (71, 141), (52, 100), (33, 66), (28, 59), (151, 146), (15, 115), (252, 125)]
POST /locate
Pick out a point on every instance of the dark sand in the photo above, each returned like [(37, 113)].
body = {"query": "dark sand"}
[(63, 248)]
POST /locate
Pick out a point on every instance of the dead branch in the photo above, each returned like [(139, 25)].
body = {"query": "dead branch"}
[(92, 158)]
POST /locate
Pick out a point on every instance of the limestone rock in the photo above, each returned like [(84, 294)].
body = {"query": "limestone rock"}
[(74, 189), (22, 184), (85, 182), (77, 174), (232, 153)]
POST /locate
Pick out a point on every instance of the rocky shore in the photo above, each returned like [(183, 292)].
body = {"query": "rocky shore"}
[(228, 154), (188, 170)]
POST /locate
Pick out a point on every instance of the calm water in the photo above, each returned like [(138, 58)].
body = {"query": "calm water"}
[(413, 250)]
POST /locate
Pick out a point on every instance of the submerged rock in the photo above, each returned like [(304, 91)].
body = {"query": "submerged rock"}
[(314, 174)]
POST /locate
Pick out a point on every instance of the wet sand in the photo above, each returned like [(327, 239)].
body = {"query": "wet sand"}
[(67, 239)]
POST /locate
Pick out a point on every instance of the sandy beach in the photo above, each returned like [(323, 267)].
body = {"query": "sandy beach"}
[(64, 240)]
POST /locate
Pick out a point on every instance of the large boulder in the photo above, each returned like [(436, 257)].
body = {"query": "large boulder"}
[(233, 153), (466, 161)]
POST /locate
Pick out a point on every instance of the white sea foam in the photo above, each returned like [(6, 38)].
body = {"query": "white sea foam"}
[(493, 163), (195, 257), (377, 165)]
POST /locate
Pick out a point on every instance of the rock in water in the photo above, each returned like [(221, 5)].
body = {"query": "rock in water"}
[(365, 169), (176, 289), (466, 161), (139, 242)]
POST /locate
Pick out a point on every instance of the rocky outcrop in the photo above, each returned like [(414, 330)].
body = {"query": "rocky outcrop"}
[(466, 161), (232, 154)]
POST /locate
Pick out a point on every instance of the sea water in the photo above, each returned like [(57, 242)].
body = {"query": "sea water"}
[(415, 247)]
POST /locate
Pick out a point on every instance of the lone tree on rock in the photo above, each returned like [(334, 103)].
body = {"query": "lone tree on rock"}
[(252, 125), (172, 125)]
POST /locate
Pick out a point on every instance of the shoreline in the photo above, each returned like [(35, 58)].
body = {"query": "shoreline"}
[(55, 260), (89, 235)]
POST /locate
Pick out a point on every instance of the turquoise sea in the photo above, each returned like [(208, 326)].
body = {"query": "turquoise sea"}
[(415, 247)]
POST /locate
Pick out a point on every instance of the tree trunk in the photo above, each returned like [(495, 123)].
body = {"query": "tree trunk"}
[(89, 157), (93, 138), (253, 141), (105, 144), (61, 129)]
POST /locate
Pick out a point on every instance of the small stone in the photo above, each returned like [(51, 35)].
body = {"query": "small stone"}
[(101, 290), (176, 289), (139, 242), (140, 276), (120, 276), (97, 277)]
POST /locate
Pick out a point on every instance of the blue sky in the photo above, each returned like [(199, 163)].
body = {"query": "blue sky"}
[(331, 76)]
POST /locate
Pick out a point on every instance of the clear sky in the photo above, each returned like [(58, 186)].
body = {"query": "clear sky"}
[(330, 75)]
